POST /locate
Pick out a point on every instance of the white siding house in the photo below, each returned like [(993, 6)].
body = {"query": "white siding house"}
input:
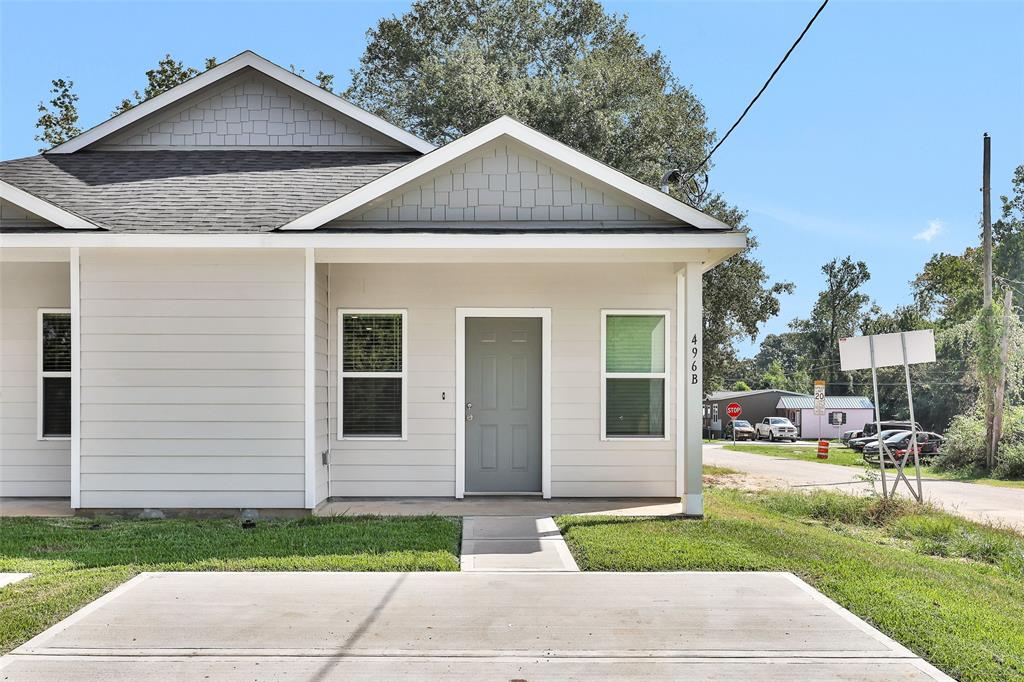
[(273, 316)]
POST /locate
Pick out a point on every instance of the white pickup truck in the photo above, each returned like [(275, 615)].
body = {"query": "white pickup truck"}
[(775, 428)]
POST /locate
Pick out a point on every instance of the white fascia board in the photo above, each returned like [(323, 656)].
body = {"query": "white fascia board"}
[(731, 241), (44, 209), (509, 127), (222, 71)]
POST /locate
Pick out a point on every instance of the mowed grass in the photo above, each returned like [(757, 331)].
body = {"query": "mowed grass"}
[(76, 560), (836, 455), (844, 456), (949, 589)]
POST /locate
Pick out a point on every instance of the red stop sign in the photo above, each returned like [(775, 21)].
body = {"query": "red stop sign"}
[(734, 410)]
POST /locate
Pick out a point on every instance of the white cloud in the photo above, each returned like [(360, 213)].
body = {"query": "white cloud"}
[(929, 233)]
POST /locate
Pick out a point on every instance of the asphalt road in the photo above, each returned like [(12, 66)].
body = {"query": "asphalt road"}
[(991, 504)]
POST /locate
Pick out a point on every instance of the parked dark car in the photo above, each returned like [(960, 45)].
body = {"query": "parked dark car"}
[(859, 443), (927, 442), (850, 435), (744, 430), (870, 430)]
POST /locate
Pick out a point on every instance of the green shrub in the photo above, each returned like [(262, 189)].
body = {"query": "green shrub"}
[(964, 449)]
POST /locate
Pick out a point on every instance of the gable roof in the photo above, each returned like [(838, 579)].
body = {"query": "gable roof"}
[(659, 204), (218, 73), (47, 211), (715, 396), (187, 191)]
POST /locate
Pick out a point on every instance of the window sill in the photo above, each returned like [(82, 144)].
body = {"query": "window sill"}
[(53, 437), (344, 439)]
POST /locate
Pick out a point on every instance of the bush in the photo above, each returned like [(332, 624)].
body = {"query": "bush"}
[(1011, 461), (964, 449)]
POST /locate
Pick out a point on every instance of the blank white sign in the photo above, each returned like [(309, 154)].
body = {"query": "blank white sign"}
[(855, 351)]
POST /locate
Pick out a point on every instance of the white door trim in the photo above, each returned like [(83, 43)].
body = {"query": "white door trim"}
[(460, 390)]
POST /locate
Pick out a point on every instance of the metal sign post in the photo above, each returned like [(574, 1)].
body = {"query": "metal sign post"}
[(889, 350), (819, 402)]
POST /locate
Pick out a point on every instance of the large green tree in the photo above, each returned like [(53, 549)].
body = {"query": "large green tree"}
[(579, 74), (838, 312)]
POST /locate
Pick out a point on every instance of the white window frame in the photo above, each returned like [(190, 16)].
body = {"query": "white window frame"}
[(403, 375), (40, 374), (605, 375)]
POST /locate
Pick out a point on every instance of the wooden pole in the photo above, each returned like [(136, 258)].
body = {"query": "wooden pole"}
[(988, 387), (1004, 358), (986, 214)]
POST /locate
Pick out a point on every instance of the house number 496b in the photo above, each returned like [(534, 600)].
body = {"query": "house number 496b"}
[(694, 359)]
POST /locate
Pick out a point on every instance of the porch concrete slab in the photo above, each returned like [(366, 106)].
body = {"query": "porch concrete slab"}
[(325, 626), (35, 506), (500, 505), (514, 543), (11, 578)]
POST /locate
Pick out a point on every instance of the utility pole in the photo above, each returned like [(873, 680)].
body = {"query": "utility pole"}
[(986, 239), (1004, 358), (986, 215)]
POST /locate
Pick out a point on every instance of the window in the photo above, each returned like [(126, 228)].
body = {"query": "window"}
[(54, 380), (634, 374), (372, 374), (714, 412)]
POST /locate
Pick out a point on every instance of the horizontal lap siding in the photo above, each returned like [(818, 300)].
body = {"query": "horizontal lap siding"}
[(582, 465), (192, 378), (29, 467)]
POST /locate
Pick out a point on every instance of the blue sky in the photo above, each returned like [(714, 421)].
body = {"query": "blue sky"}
[(868, 143)]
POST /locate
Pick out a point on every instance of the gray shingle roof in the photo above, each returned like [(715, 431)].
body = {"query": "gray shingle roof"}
[(196, 191)]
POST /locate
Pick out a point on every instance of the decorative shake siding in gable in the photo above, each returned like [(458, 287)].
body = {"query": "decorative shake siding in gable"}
[(29, 467), (502, 184), (192, 378), (254, 111)]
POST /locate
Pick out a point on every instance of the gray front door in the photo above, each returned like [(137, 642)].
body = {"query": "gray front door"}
[(503, 404)]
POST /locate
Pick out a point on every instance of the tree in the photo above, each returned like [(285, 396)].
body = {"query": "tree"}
[(838, 312), (740, 386), (580, 75), (167, 74), (59, 124), (324, 80)]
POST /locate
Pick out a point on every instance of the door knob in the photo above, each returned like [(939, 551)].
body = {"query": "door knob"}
[(469, 417), (469, 406)]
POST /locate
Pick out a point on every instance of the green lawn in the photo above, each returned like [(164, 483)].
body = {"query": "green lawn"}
[(844, 456), (949, 589), (76, 560)]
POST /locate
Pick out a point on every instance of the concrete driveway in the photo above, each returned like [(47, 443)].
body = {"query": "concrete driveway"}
[(975, 501), (472, 626)]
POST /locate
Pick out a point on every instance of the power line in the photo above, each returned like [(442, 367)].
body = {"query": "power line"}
[(760, 92)]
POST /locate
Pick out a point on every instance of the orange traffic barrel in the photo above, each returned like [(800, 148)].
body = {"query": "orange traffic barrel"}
[(822, 449)]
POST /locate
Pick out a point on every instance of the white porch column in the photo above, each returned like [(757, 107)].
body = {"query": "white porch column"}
[(689, 388), (76, 377), (310, 378)]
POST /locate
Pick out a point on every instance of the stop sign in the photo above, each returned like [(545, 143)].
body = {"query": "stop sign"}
[(734, 410)]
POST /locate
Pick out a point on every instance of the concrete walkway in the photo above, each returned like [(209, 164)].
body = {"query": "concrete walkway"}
[(514, 543), (463, 626), (990, 504), (11, 578)]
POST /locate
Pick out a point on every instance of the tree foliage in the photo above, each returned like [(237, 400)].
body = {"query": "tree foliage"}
[(58, 120), (580, 75), (167, 74)]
